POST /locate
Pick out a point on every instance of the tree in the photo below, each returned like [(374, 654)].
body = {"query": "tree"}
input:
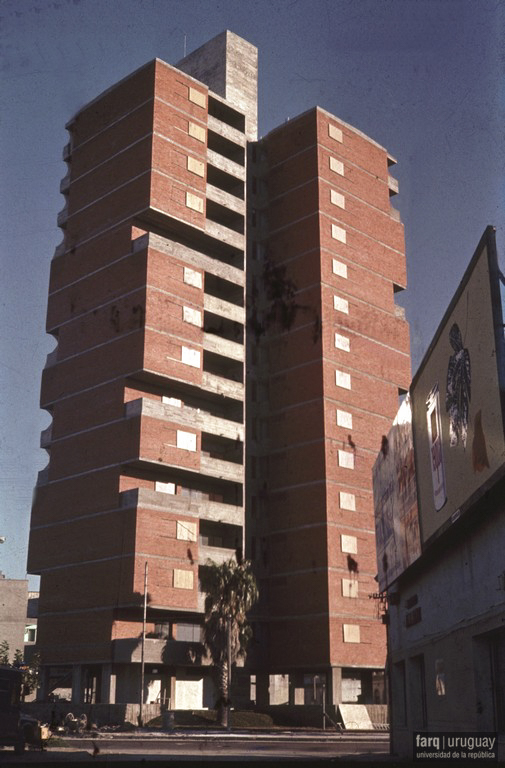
[(4, 652), (231, 592)]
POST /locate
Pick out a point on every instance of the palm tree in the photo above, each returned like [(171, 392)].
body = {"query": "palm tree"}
[(231, 591)]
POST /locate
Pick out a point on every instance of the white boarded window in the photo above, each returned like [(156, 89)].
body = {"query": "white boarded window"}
[(344, 419), (165, 487), (192, 277), (196, 166), (338, 233), (190, 357), (197, 97), (186, 531), (172, 401), (196, 131), (183, 579), (346, 459), (341, 305), (347, 501), (336, 198), (350, 588), (343, 379), (351, 633), (339, 268), (194, 202), (336, 166), (349, 544), (186, 440), (193, 316), (342, 342), (334, 132)]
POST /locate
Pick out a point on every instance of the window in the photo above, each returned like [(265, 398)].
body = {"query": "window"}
[(164, 487), (192, 277), (335, 133), (346, 459), (197, 97), (186, 440), (339, 268), (192, 316), (349, 544), (344, 419), (196, 166), (341, 305), (196, 131), (338, 233), (351, 633), (183, 579), (348, 501), (186, 531), (194, 202), (342, 342), (349, 588), (336, 198), (343, 379), (190, 357), (189, 633), (336, 166)]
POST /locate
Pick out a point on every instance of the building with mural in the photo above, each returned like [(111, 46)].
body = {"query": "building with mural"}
[(444, 576)]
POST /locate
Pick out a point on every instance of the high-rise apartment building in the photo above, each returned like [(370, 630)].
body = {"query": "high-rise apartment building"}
[(149, 442), (329, 356)]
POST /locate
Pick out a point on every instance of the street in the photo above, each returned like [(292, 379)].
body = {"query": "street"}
[(210, 746)]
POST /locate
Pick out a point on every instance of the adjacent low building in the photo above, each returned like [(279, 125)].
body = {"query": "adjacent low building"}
[(440, 548)]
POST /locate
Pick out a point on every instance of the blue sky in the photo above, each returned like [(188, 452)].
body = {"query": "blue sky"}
[(424, 78)]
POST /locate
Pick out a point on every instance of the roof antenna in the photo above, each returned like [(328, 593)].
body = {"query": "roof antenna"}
[(184, 46)]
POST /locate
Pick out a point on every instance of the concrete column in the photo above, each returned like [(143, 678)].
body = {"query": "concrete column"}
[(262, 690), (334, 692), (77, 684), (108, 686)]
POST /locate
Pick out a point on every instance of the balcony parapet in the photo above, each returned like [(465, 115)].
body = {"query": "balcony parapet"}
[(226, 165), (225, 234), (159, 651), (226, 131), (197, 259), (46, 436), (185, 416), (222, 386), (213, 511), (224, 347), (225, 199), (223, 470), (216, 554)]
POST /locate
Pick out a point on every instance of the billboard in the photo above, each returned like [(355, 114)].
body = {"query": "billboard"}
[(457, 397), (395, 500)]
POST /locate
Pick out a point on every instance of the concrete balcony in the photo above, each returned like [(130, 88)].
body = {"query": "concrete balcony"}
[(65, 184), (46, 436), (224, 309), (222, 470), (226, 131), (223, 347), (223, 198), (216, 554), (43, 476), (393, 185), (226, 165), (67, 152), (52, 358), (222, 386), (395, 214), (187, 417), (158, 651), (400, 312), (225, 235), (213, 511), (62, 218), (197, 259)]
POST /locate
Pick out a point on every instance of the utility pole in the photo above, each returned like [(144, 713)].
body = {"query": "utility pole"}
[(142, 664), (228, 632)]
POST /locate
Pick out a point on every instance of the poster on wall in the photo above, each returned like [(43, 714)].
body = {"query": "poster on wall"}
[(457, 399), (395, 500)]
